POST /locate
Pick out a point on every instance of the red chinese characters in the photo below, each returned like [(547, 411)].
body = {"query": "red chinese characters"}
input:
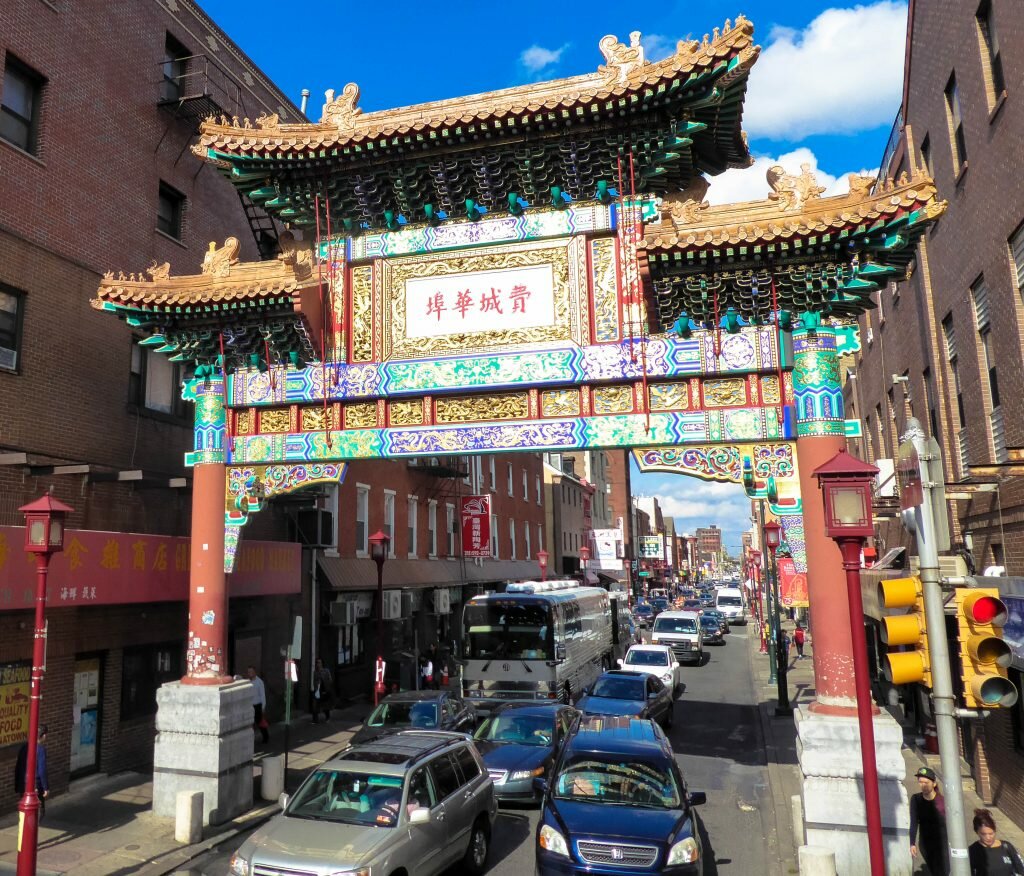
[(495, 300)]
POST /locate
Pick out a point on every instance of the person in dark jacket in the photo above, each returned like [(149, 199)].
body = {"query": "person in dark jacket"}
[(990, 856), (928, 824), (42, 774), (322, 691)]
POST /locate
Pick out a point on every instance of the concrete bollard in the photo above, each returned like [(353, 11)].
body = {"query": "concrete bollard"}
[(797, 811), (188, 817), (272, 779), (816, 861)]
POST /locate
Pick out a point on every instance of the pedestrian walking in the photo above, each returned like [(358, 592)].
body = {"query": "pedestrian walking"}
[(435, 662), (787, 643), (259, 703), (322, 691), (42, 773), (798, 640), (928, 824), (426, 673), (989, 855)]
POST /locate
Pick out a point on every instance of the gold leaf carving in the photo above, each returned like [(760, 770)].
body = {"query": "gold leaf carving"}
[(276, 420), (361, 416), (218, 260), (341, 111), (405, 413), (244, 423), (770, 390), (159, 272), (669, 396), (792, 192), (560, 403), (612, 399), (724, 392), (606, 301), (316, 419), (506, 406), (620, 59), (362, 323)]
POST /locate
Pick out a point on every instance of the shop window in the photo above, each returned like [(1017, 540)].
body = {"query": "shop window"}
[(350, 645), (143, 670)]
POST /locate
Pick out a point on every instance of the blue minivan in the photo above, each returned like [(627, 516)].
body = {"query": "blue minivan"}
[(616, 802)]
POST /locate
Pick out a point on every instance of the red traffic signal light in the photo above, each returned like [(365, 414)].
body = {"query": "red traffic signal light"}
[(984, 656)]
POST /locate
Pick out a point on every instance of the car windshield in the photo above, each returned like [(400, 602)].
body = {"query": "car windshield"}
[(399, 714), (349, 797), (635, 783), (502, 628), (675, 625), (644, 609), (518, 729), (729, 600), (617, 687), (646, 658), (709, 623), (660, 604)]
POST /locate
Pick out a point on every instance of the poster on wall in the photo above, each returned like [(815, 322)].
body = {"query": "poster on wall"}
[(606, 552), (476, 526), (652, 547), (15, 687), (792, 584)]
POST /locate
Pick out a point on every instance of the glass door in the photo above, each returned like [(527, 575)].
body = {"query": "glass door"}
[(86, 716)]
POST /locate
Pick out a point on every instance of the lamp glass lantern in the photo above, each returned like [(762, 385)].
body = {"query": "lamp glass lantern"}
[(44, 525), (584, 555), (379, 543), (542, 560), (845, 483), (772, 535)]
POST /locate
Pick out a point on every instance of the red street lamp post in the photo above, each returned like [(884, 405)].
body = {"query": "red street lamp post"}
[(379, 543), (754, 570), (542, 561), (772, 539), (584, 559), (845, 482), (44, 536)]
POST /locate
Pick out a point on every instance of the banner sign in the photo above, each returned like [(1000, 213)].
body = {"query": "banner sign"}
[(792, 584), (652, 547), (15, 687), (605, 557), (476, 526), (114, 568)]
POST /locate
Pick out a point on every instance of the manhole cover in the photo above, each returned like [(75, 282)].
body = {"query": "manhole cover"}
[(133, 847)]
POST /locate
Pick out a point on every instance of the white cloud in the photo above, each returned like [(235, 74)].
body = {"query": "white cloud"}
[(843, 73), (751, 184), (537, 58), (657, 46), (693, 502)]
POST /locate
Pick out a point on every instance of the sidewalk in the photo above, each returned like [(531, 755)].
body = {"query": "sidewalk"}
[(104, 825), (783, 766)]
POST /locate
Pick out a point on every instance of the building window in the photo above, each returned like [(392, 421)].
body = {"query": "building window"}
[(154, 382), (511, 487), (432, 527), (926, 155), (389, 519), (413, 519), (1017, 258), (12, 311), (957, 142), (450, 528), (143, 670), (526, 486), (494, 536), (991, 59), (929, 400), (170, 208), (511, 539), (362, 519), (174, 69), (540, 537), (536, 484), (949, 338), (526, 538), (19, 106), (494, 475)]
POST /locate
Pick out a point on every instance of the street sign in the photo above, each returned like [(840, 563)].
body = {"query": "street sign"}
[(645, 574)]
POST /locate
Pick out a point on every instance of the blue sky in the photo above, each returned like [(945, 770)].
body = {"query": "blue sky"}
[(824, 91)]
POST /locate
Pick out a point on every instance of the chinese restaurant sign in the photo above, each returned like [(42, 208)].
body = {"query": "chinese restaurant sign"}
[(792, 584), (15, 686), (481, 301), (112, 568), (476, 526)]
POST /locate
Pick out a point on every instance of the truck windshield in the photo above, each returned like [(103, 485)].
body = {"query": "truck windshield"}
[(729, 600), (675, 625), (508, 628)]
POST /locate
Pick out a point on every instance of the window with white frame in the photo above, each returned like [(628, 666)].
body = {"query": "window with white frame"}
[(494, 474), (449, 523), (362, 519), (526, 486), (526, 538), (511, 539), (536, 484), (494, 536), (389, 519), (540, 537), (511, 488), (413, 515), (432, 527), (1017, 258)]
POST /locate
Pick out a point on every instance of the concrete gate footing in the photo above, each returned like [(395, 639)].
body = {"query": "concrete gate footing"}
[(828, 750), (204, 743)]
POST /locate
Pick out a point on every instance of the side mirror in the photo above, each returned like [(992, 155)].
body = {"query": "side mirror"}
[(420, 815), (540, 785), (282, 800), (696, 798)]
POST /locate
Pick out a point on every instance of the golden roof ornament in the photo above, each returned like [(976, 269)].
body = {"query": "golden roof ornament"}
[(792, 192), (620, 59), (159, 272), (685, 207), (218, 261), (341, 111)]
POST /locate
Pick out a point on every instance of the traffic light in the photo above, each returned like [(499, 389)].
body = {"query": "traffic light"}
[(905, 667), (984, 655)]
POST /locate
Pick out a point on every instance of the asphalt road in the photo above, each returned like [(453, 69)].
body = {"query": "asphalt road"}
[(717, 737)]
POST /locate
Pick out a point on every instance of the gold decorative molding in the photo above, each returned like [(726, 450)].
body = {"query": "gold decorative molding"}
[(316, 419), (362, 308), (500, 406), (275, 420), (560, 403), (669, 396), (405, 413), (361, 416), (770, 390), (245, 422), (725, 392), (792, 192), (612, 399), (606, 293), (218, 260)]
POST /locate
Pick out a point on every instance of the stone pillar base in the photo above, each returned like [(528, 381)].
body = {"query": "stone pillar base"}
[(204, 743), (828, 749)]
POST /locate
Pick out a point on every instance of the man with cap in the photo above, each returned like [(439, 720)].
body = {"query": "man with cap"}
[(928, 824)]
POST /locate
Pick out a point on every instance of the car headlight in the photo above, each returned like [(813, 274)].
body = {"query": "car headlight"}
[(526, 774), (238, 865), (362, 871), (553, 841), (684, 852)]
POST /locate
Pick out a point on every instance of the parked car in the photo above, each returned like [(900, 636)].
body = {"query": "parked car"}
[(644, 614), (656, 660), (629, 693), (418, 709), (519, 742), (417, 801), (692, 605), (617, 802), (680, 630), (710, 631), (723, 621)]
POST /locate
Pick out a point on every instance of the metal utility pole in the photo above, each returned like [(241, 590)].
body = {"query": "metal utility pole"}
[(919, 520)]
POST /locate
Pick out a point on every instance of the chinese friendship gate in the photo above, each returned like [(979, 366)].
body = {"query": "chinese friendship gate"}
[(530, 269)]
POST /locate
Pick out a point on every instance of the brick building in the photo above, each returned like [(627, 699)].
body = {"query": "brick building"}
[(570, 497), (709, 545), (98, 106), (945, 345), (620, 504)]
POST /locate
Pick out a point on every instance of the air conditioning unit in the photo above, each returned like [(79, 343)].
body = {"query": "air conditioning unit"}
[(442, 601), (343, 613), (392, 604)]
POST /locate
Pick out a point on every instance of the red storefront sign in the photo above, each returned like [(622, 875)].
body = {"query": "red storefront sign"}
[(792, 584), (476, 526), (112, 568)]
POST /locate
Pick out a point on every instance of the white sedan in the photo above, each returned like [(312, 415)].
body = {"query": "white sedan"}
[(656, 660)]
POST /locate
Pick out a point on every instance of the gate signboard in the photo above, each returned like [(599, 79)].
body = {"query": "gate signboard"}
[(476, 526)]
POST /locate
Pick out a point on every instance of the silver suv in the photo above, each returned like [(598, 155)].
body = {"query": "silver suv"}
[(415, 802)]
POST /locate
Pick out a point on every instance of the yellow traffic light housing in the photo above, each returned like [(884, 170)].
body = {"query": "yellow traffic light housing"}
[(984, 656), (905, 667)]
